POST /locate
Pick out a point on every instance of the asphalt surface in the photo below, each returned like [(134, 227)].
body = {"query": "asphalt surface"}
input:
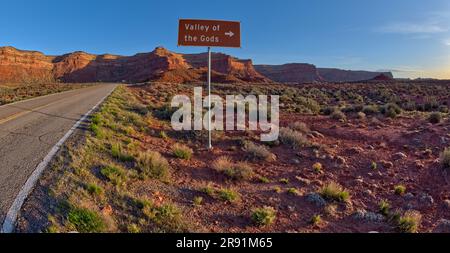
[(29, 129)]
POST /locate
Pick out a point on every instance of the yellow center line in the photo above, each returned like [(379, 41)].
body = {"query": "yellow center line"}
[(19, 114)]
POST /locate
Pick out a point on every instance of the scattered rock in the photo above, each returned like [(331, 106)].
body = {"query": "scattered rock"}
[(341, 160), (295, 161), (443, 226), (447, 204), (386, 164), (317, 134), (368, 216), (370, 147), (419, 164), (356, 150), (409, 196), (426, 200), (359, 180), (368, 192), (399, 156), (316, 199), (303, 180)]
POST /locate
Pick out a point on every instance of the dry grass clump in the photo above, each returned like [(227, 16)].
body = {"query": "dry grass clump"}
[(154, 165), (236, 171), (334, 191), (182, 151), (445, 158), (293, 138), (264, 216), (259, 152)]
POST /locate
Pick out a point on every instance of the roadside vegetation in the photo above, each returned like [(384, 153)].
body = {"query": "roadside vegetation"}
[(348, 158), (10, 93)]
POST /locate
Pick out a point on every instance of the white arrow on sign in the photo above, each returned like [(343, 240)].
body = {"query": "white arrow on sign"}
[(230, 33)]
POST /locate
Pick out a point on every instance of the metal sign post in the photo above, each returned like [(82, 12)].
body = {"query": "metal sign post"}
[(210, 33), (209, 100)]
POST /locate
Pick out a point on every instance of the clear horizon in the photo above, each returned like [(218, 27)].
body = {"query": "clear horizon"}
[(409, 38)]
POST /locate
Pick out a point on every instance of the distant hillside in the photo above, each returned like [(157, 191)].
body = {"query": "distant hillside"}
[(339, 75), (290, 73)]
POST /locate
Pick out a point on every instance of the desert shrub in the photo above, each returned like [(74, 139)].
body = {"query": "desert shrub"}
[(334, 191), (299, 126), (114, 174), (236, 171), (277, 189), (306, 105), (328, 110), (370, 109), (197, 201), (410, 221), (228, 195), (96, 119), (361, 115), (264, 216), (390, 110), (316, 220), (264, 180), (384, 207), (445, 158), (164, 112), (443, 109), (435, 117), (399, 189), (97, 130), (153, 165), (284, 181), (373, 165), (258, 152), (94, 189), (118, 153), (182, 151), (317, 167), (293, 138), (168, 217), (86, 221), (430, 104), (338, 115), (293, 191)]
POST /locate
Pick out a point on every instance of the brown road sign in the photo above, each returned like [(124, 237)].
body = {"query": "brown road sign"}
[(209, 33)]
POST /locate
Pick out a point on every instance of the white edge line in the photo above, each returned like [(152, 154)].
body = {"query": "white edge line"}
[(11, 217)]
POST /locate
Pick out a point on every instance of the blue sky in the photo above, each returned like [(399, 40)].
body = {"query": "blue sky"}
[(411, 37)]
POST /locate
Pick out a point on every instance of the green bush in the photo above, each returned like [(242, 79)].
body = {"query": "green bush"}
[(338, 115), (390, 110), (264, 216), (182, 151), (399, 189), (334, 191), (114, 174), (410, 222), (86, 221), (370, 109)]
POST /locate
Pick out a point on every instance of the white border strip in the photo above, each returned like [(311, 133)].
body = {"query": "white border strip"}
[(11, 217)]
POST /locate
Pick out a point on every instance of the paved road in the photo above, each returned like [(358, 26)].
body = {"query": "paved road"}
[(29, 129)]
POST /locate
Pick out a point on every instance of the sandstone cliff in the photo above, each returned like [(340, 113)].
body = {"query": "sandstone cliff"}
[(158, 65)]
